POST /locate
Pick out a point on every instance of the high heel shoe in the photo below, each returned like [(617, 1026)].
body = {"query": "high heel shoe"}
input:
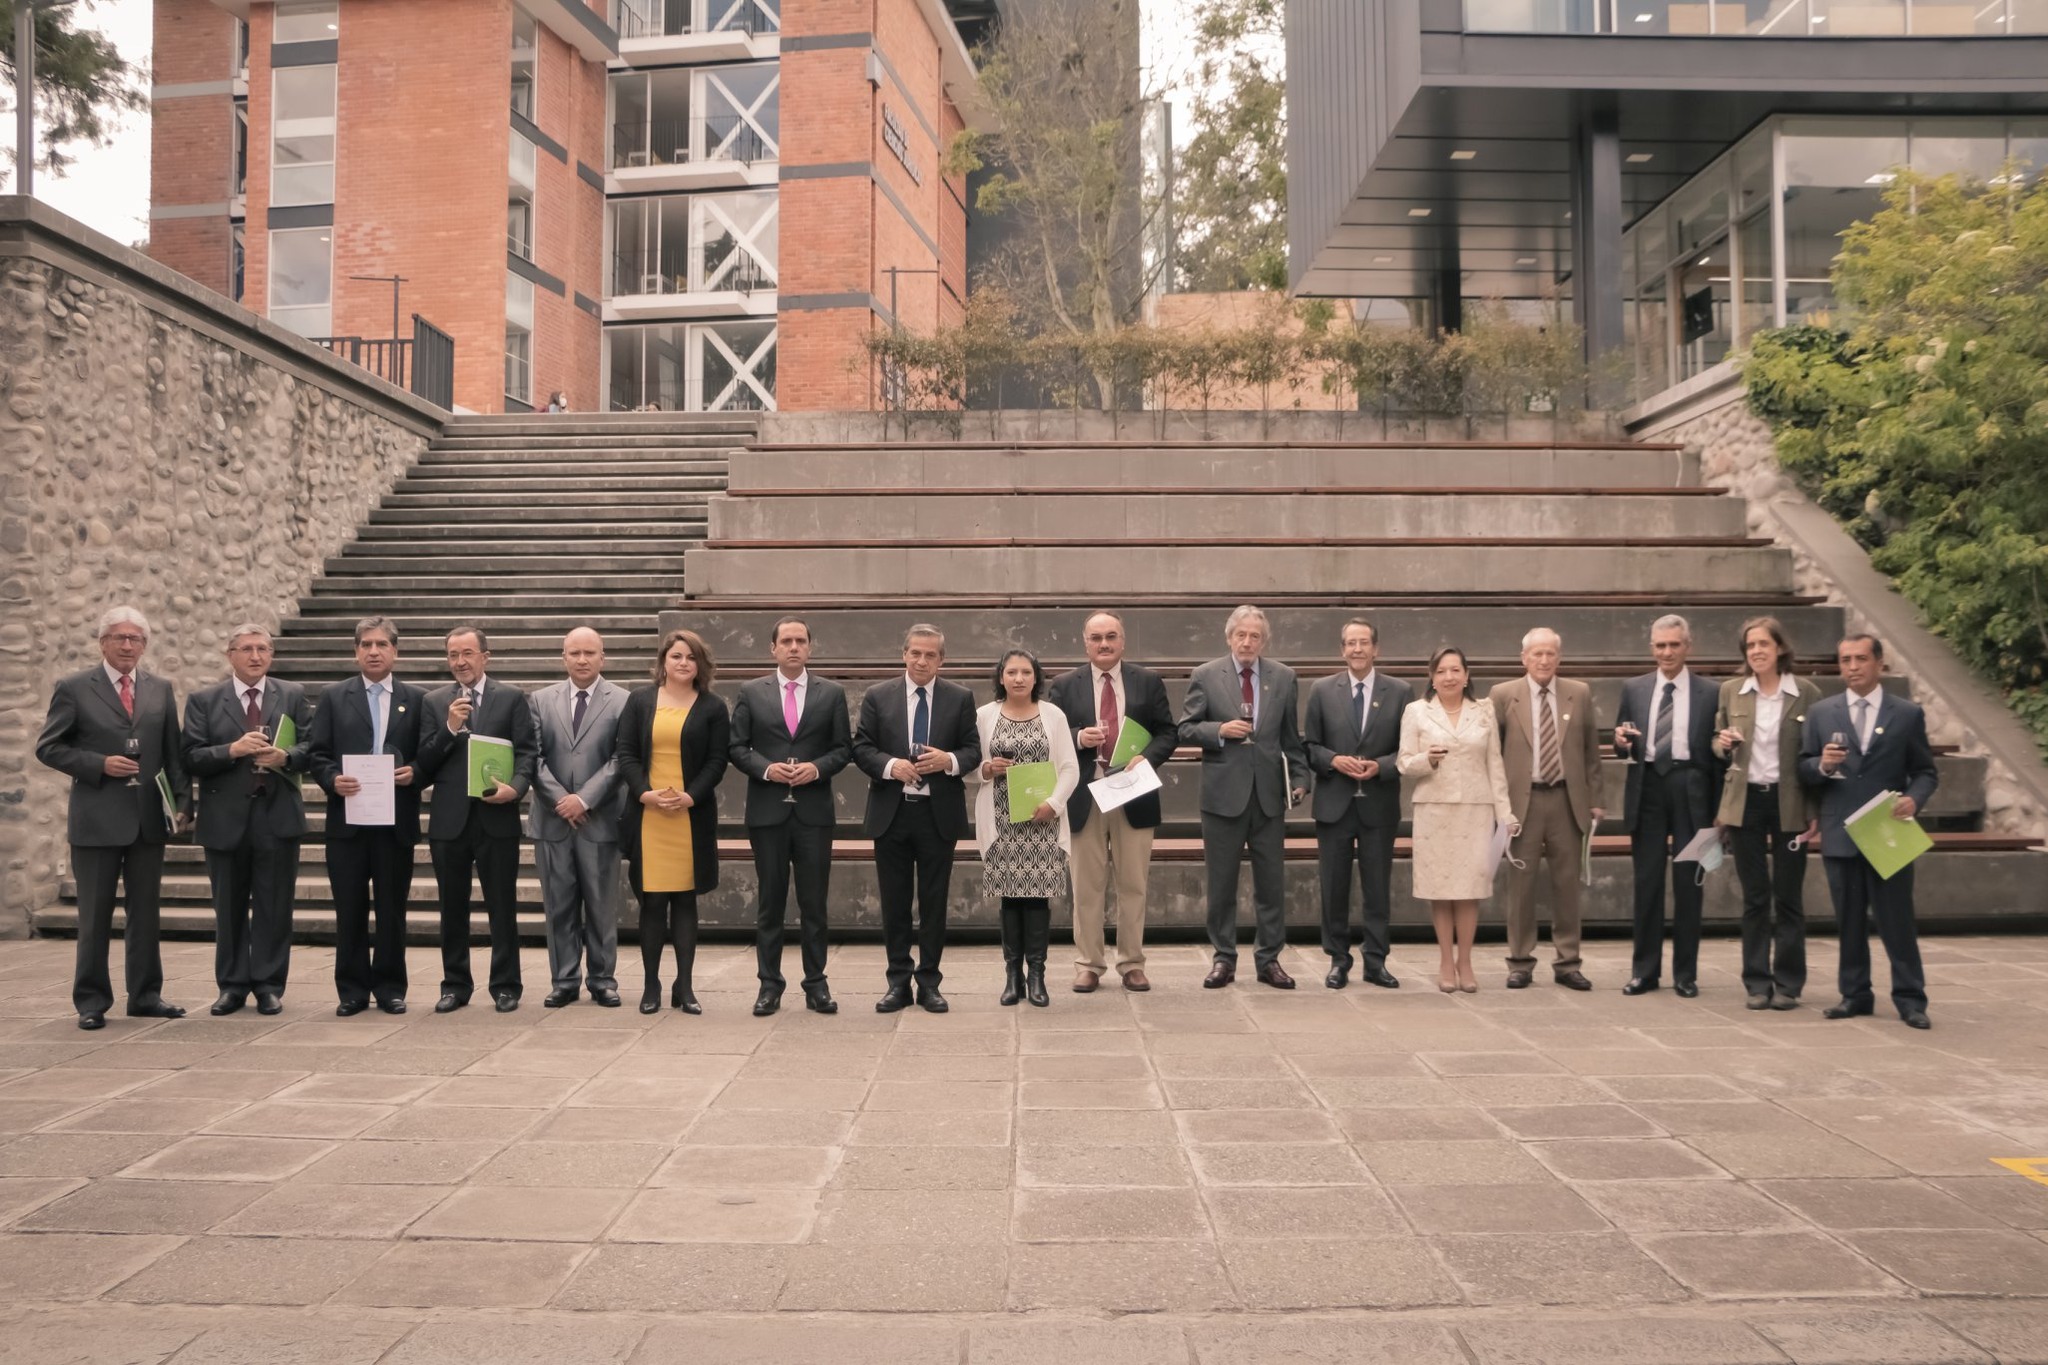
[(1034, 984), (650, 999), (1468, 983), (1013, 982), (1448, 985), (685, 999)]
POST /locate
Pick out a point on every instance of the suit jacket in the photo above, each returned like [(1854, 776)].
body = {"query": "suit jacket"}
[(1472, 773), (705, 745), (341, 725), (228, 801), (86, 723), (444, 759), (576, 762), (1578, 739), (1898, 760), (1738, 709), (883, 735), (988, 821), (1145, 702), (824, 736), (1331, 729), (1234, 773), (1638, 697)]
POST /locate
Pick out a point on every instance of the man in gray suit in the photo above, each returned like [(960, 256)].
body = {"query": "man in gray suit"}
[(114, 731), (1353, 737), (574, 822), (1240, 711)]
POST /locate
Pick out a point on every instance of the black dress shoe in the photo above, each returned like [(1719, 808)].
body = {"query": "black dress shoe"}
[(269, 1002), (1915, 1019), (156, 1009), (767, 1002), (820, 999), (650, 999), (1519, 981), (395, 1005), (449, 1003), (228, 1003), (1845, 1010), (92, 1019), (684, 999), (894, 999), (564, 995), (351, 1007), (608, 996), (1275, 975), (1686, 990), (506, 1003), (1639, 985), (1757, 1002), (1220, 975), (1381, 977), (931, 1002), (1340, 974), (1573, 979)]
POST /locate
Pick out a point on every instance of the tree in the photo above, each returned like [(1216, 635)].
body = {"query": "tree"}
[(1230, 179), (83, 85)]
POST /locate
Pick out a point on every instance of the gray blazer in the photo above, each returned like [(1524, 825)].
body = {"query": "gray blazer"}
[(578, 764), (1233, 772), (1331, 730), (86, 723)]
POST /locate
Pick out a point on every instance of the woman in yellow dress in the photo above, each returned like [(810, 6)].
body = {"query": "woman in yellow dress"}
[(672, 753)]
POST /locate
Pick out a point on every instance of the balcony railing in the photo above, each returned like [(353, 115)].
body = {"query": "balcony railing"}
[(1760, 18), (633, 273), (675, 142), (422, 364), (674, 19)]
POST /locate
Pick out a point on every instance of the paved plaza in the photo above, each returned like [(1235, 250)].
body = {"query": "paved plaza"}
[(1187, 1177)]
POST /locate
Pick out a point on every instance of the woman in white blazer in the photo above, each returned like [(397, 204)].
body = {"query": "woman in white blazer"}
[(1023, 864), (1450, 745)]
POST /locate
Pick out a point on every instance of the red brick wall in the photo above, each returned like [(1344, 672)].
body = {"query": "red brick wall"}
[(191, 140)]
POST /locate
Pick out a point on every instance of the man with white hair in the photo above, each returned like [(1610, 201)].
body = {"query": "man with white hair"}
[(1665, 729), (114, 730), (251, 816), (1240, 711)]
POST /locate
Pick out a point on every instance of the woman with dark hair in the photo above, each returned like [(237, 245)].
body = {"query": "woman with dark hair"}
[(1023, 863), (1768, 817), (672, 753), (1450, 743)]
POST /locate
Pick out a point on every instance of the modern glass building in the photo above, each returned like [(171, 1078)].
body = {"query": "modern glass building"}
[(1674, 174)]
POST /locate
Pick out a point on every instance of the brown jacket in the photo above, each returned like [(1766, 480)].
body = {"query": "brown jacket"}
[(1738, 709), (1514, 707)]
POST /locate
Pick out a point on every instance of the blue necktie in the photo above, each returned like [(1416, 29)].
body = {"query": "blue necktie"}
[(1358, 707), (376, 696), (920, 724)]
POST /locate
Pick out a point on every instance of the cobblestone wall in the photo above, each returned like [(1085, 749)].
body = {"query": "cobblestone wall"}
[(199, 467)]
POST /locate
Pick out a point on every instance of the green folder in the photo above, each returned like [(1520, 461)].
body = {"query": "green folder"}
[(1131, 739), (287, 733), (1888, 843), (1031, 786), (163, 789), (490, 762)]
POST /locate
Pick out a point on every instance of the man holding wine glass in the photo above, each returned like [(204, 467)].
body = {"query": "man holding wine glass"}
[(115, 731)]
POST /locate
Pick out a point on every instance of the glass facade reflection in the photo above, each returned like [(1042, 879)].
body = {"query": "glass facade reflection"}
[(1761, 18)]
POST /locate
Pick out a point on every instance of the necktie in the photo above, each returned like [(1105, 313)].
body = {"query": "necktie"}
[(1244, 676), (1105, 715), (1660, 736), (1358, 708), (1551, 769), (1862, 716), (252, 716), (128, 695), (789, 712), (376, 695), (576, 718), (920, 724)]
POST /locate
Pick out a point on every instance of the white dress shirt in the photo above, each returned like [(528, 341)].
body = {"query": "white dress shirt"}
[(1237, 669), (1869, 724), (1536, 705), (114, 676), (1681, 717), (380, 704), (1770, 716), (919, 788), (803, 691)]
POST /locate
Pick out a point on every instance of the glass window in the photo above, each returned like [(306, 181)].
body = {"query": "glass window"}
[(748, 16), (307, 23), (239, 173), (1753, 171), (735, 241), (237, 262), (1705, 295), (1700, 209), (691, 367), (1758, 306), (525, 62), (242, 48), (524, 163), (302, 135), (518, 337), (519, 225), (2028, 16), (302, 280), (742, 116), (1858, 18), (735, 366), (1843, 153), (1945, 146), (2028, 148), (1771, 18), (1653, 350)]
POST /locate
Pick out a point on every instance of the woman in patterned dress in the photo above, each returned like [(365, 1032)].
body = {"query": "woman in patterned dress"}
[(1024, 864)]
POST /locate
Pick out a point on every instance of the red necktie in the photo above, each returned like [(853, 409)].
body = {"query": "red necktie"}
[(127, 695), (1106, 717), (1245, 677)]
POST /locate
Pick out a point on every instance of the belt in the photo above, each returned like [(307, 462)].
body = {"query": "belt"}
[(1546, 786), (1763, 786), (908, 796)]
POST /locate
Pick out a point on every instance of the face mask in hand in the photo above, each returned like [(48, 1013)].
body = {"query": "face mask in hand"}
[(1710, 860)]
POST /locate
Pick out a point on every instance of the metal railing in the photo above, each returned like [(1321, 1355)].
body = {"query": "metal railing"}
[(676, 141), (423, 363), (1760, 18), (675, 19)]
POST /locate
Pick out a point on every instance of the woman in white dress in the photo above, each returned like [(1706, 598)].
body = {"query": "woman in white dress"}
[(1449, 744)]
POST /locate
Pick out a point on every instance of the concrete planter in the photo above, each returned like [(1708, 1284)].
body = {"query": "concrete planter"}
[(1221, 428)]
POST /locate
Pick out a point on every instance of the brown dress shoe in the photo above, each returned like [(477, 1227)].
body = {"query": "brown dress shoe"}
[(1574, 980), (1134, 980), (1519, 980), (1275, 975), (1086, 980), (1222, 974)]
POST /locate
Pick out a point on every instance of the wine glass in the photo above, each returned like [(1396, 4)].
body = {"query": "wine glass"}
[(1244, 713), (132, 747), (789, 791), (1629, 731), (1840, 740)]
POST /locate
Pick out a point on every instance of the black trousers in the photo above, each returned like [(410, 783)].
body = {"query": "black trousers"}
[(1339, 845), (1224, 841), (912, 859), (1674, 806), (1861, 896), (1027, 929), (137, 872), (780, 851), (371, 862), (252, 911), (495, 860), (1773, 877), (668, 918)]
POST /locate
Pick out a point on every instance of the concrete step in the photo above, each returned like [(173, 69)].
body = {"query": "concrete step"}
[(667, 470), (535, 487), (524, 539), (297, 632), (1111, 516), (525, 438), (339, 603), (559, 562), (446, 505), (1232, 571), (399, 581), (514, 456), (617, 519)]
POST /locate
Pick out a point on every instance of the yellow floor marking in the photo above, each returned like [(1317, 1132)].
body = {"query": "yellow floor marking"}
[(2034, 1168)]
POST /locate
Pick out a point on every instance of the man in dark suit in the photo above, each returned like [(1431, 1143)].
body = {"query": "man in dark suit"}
[(1550, 748), (1884, 749), (369, 864), (1240, 710), (791, 736), (114, 730), (574, 821), (478, 834), (1665, 729), (915, 738), (1097, 700), (1353, 736), (251, 817)]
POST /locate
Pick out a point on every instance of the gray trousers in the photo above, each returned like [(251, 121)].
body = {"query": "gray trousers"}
[(1224, 839), (579, 888)]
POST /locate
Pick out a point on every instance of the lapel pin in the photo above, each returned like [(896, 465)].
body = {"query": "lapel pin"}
[(1567, 715), (401, 710), (1880, 729)]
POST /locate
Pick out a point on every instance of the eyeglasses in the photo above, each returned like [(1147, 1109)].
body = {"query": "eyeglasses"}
[(1102, 639), (127, 639)]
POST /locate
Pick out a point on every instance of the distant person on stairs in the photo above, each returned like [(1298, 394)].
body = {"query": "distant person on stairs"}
[(574, 822)]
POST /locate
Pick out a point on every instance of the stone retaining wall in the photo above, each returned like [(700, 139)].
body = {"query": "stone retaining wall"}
[(164, 447)]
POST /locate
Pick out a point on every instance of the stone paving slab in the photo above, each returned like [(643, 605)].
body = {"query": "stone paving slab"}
[(1187, 1176)]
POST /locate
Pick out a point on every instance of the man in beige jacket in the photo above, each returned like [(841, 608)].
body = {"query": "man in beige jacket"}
[(1550, 746)]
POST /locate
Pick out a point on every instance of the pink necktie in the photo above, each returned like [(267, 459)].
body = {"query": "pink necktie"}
[(127, 695), (789, 715)]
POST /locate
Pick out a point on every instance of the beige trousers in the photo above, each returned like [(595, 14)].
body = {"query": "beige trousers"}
[(1107, 841), (1550, 833)]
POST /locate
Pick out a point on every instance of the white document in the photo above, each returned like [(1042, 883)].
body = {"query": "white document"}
[(376, 798), (1709, 837), (1122, 788), (1499, 849)]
